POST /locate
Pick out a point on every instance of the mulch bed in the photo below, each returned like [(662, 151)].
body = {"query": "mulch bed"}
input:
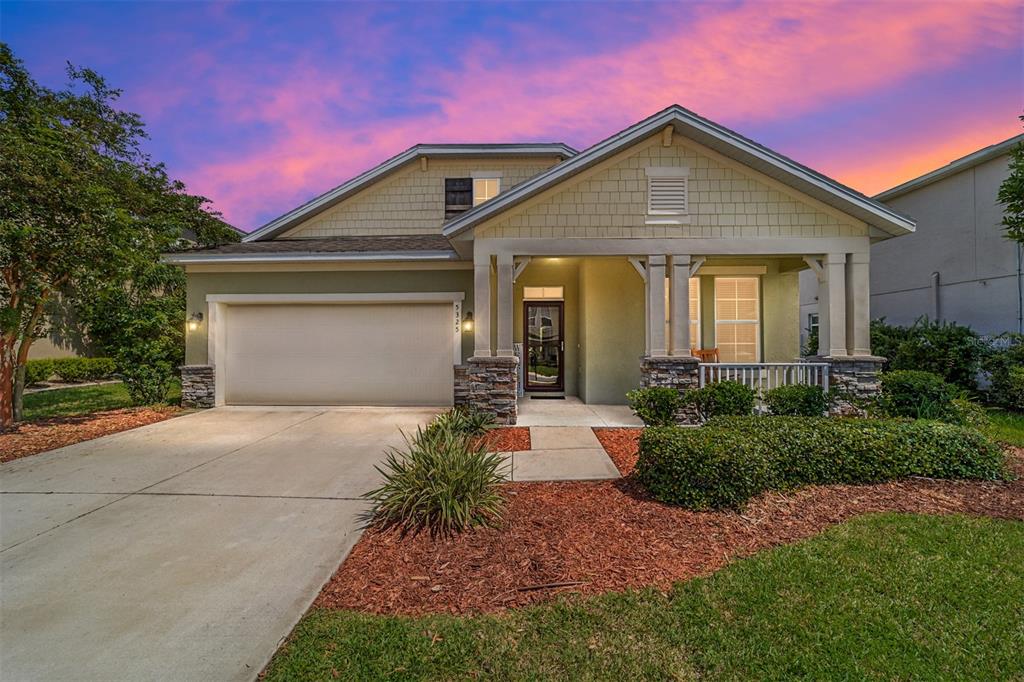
[(592, 537), (508, 439), (30, 438)]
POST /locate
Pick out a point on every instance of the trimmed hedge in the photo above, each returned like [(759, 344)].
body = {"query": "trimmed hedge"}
[(37, 371), (797, 400), (732, 459), (722, 398), (655, 405), (71, 370)]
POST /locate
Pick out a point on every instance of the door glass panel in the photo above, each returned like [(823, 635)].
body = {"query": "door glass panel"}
[(544, 346)]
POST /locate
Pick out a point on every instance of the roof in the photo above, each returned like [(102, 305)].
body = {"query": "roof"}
[(714, 136), (403, 247), (952, 168), (347, 189)]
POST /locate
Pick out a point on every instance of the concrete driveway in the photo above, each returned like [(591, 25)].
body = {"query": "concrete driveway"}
[(185, 549)]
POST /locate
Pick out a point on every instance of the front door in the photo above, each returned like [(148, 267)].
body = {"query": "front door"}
[(543, 329)]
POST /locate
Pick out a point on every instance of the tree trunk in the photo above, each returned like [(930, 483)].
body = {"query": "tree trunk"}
[(17, 407), (22, 357), (6, 385)]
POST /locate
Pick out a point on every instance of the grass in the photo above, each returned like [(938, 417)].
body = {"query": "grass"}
[(79, 400), (881, 597), (1006, 426)]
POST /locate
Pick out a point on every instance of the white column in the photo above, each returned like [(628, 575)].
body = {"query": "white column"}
[(505, 272), (656, 305), (679, 296), (858, 303), (482, 305), (832, 307)]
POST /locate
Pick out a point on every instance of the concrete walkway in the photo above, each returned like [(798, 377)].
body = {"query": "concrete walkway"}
[(562, 453), (570, 411), (182, 550)]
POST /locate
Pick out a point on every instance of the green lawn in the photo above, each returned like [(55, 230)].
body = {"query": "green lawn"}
[(1007, 426), (881, 597), (68, 402)]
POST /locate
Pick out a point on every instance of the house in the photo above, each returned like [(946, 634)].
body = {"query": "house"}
[(958, 266), (417, 281)]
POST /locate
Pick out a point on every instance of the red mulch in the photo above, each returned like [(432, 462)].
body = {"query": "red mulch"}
[(622, 445), (607, 536), (508, 439), (30, 438)]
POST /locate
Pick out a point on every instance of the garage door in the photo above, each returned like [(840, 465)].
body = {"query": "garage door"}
[(338, 354)]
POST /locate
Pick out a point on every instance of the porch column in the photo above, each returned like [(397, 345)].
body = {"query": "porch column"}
[(505, 273), (482, 305), (656, 305), (679, 296), (832, 307), (858, 304)]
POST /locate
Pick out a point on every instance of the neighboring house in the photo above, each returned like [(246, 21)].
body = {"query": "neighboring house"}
[(958, 266), (415, 282)]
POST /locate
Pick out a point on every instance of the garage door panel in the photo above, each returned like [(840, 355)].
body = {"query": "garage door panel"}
[(354, 354)]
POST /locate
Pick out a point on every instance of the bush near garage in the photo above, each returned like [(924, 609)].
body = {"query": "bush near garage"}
[(444, 480), (731, 459), (796, 400), (721, 399)]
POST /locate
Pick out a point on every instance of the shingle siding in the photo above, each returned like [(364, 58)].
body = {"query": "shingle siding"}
[(412, 200), (724, 201)]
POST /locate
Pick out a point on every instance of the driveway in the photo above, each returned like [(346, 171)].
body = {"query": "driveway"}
[(185, 549)]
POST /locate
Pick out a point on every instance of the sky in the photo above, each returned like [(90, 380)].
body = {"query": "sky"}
[(262, 105)]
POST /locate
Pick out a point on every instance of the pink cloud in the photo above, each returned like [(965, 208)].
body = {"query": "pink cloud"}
[(745, 64)]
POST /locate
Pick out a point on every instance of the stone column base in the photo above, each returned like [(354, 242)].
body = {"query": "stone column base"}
[(855, 379), (489, 384), (197, 385), (679, 373)]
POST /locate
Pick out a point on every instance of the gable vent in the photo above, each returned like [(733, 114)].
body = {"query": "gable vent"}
[(667, 191)]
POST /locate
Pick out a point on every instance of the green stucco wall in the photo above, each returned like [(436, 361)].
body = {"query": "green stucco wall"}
[(200, 284)]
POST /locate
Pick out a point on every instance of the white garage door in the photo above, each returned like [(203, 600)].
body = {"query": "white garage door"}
[(339, 354)]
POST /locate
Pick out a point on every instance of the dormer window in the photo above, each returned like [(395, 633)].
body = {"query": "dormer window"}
[(484, 189), (462, 194), (668, 195)]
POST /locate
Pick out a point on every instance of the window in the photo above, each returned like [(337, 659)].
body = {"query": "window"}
[(542, 293), (737, 318), (484, 189), (812, 323), (667, 195), (458, 196), (695, 341)]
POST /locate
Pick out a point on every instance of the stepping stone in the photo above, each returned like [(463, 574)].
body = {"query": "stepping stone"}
[(563, 438), (563, 465)]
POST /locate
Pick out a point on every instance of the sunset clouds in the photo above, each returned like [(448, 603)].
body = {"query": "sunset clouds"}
[(260, 106)]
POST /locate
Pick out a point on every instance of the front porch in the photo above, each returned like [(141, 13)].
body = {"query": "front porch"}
[(591, 326)]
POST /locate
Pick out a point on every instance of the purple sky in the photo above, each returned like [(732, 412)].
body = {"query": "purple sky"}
[(260, 106)]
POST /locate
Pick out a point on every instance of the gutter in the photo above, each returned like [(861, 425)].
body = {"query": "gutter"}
[(194, 259)]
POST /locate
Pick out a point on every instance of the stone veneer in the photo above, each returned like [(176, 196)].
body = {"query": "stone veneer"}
[(197, 385), (856, 378), (489, 384), (679, 373)]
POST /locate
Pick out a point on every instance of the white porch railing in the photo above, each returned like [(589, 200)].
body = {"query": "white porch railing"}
[(764, 376)]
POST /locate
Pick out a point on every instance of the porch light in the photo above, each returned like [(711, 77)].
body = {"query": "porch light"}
[(467, 322), (193, 321)]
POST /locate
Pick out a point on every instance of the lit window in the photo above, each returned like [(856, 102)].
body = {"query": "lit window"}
[(542, 293), (737, 319), (484, 189)]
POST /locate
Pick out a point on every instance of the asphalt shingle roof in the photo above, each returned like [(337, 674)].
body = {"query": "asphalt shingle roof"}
[(368, 244)]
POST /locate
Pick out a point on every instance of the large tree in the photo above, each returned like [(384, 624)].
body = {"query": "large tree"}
[(1011, 195), (83, 208)]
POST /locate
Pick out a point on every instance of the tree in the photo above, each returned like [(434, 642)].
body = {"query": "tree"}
[(82, 207), (1011, 195)]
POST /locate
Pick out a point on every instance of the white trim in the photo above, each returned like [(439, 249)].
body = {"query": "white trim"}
[(396, 297), (520, 265), (696, 246), (186, 258), (487, 175), (735, 270), (640, 267), (696, 264)]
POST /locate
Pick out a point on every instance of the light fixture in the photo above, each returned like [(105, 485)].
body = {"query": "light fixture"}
[(193, 321), (467, 322)]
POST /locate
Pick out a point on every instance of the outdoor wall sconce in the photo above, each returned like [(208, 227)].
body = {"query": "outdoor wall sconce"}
[(467, 322), (193, 321)]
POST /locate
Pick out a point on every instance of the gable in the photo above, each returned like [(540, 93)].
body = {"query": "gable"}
[(726, 199), (411, 200)]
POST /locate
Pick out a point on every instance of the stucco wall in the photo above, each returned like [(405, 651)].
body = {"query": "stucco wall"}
[(363, 281), (554, 272), (611, 330), (411, 201), (726, 199)]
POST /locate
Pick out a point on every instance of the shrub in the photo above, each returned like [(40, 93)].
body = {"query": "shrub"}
[(1005, 368), (463, 420), (655, 405), (950, 350), (720, 399), (37, 371), (74, 370), (96, 369), (147, 384), (798, 400), (730, 460), (968, 413), (917, 395), (442, 481)]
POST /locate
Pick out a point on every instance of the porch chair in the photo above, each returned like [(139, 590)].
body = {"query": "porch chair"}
[(705, 354)]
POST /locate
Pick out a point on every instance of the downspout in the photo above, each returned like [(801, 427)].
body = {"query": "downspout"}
[(935, 297), (1020, 289)]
